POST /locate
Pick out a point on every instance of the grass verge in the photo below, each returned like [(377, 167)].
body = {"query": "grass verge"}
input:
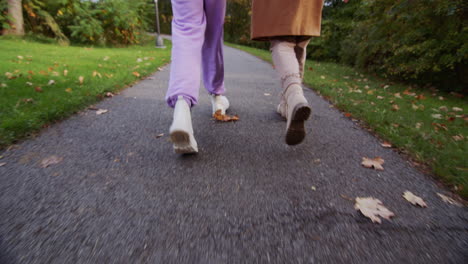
[(41, 83), (429, 125)]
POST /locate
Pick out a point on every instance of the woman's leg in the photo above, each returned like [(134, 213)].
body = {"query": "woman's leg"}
[(293, 105), (188, 35), (212, 53), (301, 52)]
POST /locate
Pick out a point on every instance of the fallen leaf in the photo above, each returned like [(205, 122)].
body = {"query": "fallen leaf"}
[(386, 144), (448, 200), (224, 118), (106, 58), (139, 60), (418, 125), (313, 188), (20, 57), (322, 77), (160, 135), (101, 111), (109, 94), (28, 100), (397, 95), (2, 164), (68, 90), (3, 85), (95, 73), (375, 163), (458, 137), (420, 97), (395, 107), (65, 72), (38, 89), (443, 108), (457, 109), (51, 82), (436, 116), (415, 200), (266, 94), (29, 83), (380, 97), (373, 209), (347, 114), (50, 161), (81, 79), (136, 74)]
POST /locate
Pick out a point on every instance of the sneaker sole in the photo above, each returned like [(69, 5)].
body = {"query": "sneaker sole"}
[(182, 143), (295, 133)]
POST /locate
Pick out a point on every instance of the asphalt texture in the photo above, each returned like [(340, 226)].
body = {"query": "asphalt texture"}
[(120, 194)]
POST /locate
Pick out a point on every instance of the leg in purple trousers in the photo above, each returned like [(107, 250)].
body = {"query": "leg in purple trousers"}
[(197, 39)]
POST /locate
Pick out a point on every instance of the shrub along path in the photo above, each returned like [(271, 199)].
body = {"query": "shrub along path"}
[(115, 191)]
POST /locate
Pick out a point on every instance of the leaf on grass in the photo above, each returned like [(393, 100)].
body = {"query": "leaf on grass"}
[(375, 163), (373, 209), (448, 200), (415, 200), (397, 95), (96, 73), (68, 90), (28, 100), (457, 109), (51, 82), (380, 97), (106, 58), (101, 111), (418, 125), (29, 83), (322, 77), (421, 97), (395, 107), (65, 72), (386, 144), (81, 79), (50, 161), (38, 89), (136, 74), (443, 108), (436, 116), (224, 118), (3, 85), (458, 137)]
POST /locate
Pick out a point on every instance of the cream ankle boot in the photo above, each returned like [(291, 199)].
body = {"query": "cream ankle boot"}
[(219, 102), (295, 108), (181, 130)]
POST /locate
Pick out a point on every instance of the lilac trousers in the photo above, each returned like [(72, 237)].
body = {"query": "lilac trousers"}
[(197, 42)]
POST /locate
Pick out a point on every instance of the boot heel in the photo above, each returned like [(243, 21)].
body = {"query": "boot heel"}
[(296, 133)]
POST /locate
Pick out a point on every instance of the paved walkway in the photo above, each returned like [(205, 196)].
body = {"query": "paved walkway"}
[(120, 195)]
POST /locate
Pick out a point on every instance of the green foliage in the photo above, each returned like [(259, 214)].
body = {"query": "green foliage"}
[(4, 16)]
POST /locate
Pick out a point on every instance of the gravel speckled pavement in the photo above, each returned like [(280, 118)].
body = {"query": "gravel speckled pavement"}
[(120, 194)]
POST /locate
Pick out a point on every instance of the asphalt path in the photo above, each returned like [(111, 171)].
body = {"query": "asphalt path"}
[(120, 194)]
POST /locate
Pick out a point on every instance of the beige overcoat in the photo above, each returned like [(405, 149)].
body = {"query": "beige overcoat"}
[(271, 18)]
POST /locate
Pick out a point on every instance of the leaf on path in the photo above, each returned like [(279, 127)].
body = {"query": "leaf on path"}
[(109, 94), (386, 144), (266, 94), (415, 200), (313, 188), (136, 74), (160, 135), (2, 164), (224, 118), (81, 79), (449, 200), (101, 111), (347, 114), (373, 209), (50, 161), (375, 163)]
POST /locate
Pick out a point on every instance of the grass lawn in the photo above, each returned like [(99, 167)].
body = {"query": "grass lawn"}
[(429, 125), (42, 83)]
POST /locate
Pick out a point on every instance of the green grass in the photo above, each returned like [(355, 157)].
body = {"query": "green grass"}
[(28, 102), (426, 126)]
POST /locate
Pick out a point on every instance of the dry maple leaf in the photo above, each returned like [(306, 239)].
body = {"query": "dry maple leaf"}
[(38, 89), (448, 200), (386, 144), (224, 118), (415, 200), (101, 111), (375, 163), (50, 161), (136, 74), (373, 209)]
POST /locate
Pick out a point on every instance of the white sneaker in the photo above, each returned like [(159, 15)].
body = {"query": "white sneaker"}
[(219, 102), (181, 130)]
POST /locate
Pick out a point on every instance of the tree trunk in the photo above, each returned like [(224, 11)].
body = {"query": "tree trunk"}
[(15, 11)]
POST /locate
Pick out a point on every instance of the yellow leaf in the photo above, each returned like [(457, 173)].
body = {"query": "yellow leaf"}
[(68, 90)]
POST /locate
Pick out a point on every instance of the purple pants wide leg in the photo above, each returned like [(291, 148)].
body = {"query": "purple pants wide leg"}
[(197, 42)]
